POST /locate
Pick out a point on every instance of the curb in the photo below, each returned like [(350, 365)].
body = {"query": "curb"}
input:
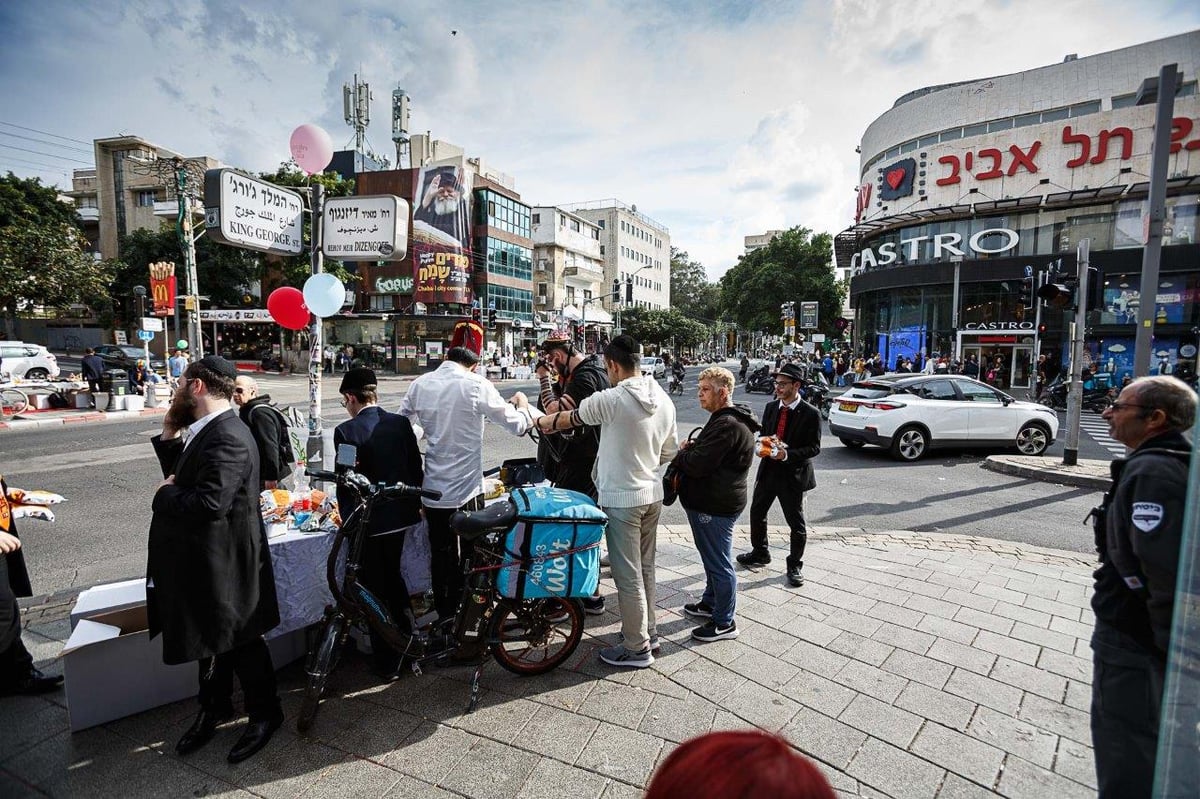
[(95, 416), (1057, 475)]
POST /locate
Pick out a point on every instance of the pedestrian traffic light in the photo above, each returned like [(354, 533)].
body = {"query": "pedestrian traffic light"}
[(616, 294), (1058, 295), (629, 290), (1025, 293), (491, 317)]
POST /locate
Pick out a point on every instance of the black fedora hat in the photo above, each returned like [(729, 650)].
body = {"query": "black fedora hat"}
[(791, 371)]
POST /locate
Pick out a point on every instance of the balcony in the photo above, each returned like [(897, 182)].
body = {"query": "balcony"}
[(171, 208), (88, 214), (591, 272)]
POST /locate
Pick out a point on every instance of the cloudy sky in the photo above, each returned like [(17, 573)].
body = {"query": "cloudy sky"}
[(718, 119)]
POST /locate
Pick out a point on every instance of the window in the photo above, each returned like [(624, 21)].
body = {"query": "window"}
[(1055, 115), (145, 199), (596, 234), (601, 223), (575, 225), (537, 219), (1082, 109), (938, 390), (1124, 100), (602, 249), (973, 392), (974, 130)]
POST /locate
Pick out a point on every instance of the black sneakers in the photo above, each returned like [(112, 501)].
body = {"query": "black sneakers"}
[(756, 557), (711, 632), (698, 610), (593, 605), (794, 577)]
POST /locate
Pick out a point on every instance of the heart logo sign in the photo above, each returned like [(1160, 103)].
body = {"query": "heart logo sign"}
[(896, 180)]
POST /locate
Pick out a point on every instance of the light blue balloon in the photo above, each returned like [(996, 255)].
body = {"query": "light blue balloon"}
[(324, 294)]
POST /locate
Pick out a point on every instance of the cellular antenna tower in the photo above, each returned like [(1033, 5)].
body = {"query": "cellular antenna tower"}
[(356, 101), (400, 125)]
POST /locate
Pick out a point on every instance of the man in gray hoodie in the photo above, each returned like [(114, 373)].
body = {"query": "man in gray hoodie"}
[(638, 421)]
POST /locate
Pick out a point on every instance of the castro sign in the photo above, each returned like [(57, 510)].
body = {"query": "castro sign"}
[(924, 249)]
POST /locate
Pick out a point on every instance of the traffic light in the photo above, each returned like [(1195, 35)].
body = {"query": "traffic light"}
[(629, 290), (491, 317), (475, 313), (616, 293), (1042, 329), (783, 311), (1058, 294), (1025, 293)]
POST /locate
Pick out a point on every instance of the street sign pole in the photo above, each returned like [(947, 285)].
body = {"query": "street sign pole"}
[(1078, 331), (315, 433)]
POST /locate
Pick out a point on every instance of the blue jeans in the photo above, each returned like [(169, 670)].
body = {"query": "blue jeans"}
[(714, 540)]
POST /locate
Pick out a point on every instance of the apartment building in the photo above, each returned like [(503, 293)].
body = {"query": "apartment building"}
[(634, 248), (569, 273)]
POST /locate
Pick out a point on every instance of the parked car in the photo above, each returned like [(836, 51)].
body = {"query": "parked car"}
[(126, 356), (652, 365), (27, 361), (911, 414)]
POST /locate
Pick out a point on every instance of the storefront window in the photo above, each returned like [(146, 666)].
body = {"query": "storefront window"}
[(1175, 301)]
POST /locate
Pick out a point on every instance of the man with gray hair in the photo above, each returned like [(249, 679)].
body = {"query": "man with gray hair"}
[(1139, 528)]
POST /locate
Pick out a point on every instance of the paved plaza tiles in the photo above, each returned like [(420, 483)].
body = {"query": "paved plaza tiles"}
[(909, 665)]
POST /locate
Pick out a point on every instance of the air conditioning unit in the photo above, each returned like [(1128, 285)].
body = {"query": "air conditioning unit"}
[(541, 298), (542, 264)]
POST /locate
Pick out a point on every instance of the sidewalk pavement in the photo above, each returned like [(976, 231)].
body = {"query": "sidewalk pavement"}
[(908, 665), (1087, 473)]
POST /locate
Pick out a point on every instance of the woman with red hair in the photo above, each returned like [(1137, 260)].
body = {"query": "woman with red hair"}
[(736, 764)]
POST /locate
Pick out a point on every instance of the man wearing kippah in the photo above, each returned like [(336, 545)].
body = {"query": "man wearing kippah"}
[(449, 406)]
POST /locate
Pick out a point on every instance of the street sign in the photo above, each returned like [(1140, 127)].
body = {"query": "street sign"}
[(246, 212), (146, 335), (371, 228), (818, 338), (152, 324), (808, 315)]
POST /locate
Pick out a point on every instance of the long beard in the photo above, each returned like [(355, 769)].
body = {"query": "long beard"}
[(445, 205), (182, 411)]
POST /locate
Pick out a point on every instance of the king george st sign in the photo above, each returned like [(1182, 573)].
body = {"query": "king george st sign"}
[(246, 212)]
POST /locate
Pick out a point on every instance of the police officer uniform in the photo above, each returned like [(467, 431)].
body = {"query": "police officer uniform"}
[(1138, 532)]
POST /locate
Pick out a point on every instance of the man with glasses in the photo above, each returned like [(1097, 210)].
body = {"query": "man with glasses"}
[(785, 471), (269, 428), (1139, 527)]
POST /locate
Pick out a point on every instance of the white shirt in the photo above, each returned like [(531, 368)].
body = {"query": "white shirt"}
[(198, 425), (448, 407)]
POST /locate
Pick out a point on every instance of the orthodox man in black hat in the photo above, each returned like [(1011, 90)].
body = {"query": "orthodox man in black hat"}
[(792, 438), (210, 590), (387, 453)]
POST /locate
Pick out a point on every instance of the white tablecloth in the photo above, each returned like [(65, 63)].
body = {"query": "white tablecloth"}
[(303, 592)]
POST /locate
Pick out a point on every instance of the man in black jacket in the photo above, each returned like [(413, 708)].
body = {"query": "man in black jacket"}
[(1139, 529), (785, 472), (210, 588), (267, 425), (92, 369), (714, 467), (387, 453)]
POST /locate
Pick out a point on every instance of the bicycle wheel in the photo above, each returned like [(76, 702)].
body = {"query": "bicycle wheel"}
[(12, 401), (321, 663), (537, 635)]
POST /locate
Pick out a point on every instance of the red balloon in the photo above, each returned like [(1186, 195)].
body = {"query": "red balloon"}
[(286, 306)]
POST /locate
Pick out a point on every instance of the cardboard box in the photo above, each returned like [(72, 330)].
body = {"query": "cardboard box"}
[(134, 402), (39, 402), (109, 599), (83, 399), (113, 669)]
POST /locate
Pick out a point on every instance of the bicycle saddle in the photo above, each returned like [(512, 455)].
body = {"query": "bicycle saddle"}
[(472, 524)]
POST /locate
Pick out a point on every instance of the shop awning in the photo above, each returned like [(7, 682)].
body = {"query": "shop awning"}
[(571, 313), (598, 316)]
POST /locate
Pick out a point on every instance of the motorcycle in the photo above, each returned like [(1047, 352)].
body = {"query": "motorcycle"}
[(675, 383), (815, 392), (1095, 399), (760, 380)]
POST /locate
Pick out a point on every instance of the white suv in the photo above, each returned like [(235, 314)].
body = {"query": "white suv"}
[(653, 366), (911, 414), (27, 361)]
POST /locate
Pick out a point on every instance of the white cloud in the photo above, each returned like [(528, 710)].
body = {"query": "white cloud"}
[(718, 120)]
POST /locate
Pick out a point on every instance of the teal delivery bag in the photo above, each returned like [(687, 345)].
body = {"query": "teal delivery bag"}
[(553, 549)]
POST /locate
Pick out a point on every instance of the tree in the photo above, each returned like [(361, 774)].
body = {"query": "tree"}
[(691, 292), (43, 256), (796, 266), (663, 327)]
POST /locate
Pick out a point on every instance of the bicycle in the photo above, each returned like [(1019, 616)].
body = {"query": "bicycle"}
[(12, 402), (526, 637)]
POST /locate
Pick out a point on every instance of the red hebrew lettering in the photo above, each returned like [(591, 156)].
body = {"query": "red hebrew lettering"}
[(1180, 128), (1085, 146), (953, 177), (1023, 159), (968, 162), (995, 171), (1126, 144)]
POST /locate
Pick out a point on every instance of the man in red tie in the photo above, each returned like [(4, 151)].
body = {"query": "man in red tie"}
[(785, 471)]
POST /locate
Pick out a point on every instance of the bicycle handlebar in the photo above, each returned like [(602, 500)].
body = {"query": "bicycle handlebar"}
[(360, 483)]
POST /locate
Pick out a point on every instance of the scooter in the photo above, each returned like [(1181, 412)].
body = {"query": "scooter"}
[(1054, 395), (760, 380)]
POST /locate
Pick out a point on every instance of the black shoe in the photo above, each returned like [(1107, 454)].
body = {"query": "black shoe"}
[(202, 730), (795, 578), (34, 682), (593, 605), (756, 557), (711, 632), (698, 610), (256, 736)]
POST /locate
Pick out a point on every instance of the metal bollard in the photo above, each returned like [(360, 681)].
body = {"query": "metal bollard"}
[(151, 395), (112, 401)]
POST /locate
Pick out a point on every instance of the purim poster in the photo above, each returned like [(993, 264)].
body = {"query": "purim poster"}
[(441, 235)]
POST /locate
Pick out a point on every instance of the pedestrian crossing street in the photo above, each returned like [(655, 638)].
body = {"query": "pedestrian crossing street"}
[(1095, 426)]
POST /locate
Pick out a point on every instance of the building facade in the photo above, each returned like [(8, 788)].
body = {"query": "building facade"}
[(760, 240), (967, 188), (569, 287), (634, 248)]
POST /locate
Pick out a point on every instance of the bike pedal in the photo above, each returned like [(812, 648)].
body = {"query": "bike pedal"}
[(416, 667)]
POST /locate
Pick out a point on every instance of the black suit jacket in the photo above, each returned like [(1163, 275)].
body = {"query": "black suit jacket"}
[(92, 367), (387, 453), (802, 435), (213, 587)]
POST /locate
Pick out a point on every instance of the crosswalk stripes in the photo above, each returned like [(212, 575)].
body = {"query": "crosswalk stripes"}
[(1097, 428)]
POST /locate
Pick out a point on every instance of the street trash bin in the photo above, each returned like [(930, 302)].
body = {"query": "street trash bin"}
[(114, 381)]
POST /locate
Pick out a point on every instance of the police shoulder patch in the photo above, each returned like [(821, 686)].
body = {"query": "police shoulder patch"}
[(1146, 515)]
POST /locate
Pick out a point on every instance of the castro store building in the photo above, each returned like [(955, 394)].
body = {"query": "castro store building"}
[(981, 183)]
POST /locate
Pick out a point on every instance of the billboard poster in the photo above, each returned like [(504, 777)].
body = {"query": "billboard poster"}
[(162, 288), (441, 235)]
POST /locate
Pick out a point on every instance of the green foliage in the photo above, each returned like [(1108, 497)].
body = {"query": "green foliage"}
[(691, 293), (43, 256), (795, 266), (660, 327)]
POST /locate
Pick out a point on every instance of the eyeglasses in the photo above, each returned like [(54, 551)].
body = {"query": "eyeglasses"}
[(784, 383), (1116, 406), (239, 391)]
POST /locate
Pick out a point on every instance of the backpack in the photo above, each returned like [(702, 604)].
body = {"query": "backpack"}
[(287, 442)]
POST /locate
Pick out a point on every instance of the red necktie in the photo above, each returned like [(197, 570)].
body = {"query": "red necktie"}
[(782, 425)]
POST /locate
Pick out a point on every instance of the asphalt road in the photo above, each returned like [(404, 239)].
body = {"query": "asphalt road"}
[(108, 473)]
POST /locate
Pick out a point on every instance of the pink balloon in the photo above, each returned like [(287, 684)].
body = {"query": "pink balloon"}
[(311, 148), (286, 306)]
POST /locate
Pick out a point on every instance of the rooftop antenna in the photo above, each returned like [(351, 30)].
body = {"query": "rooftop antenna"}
[(400, 126), (356, 102)]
